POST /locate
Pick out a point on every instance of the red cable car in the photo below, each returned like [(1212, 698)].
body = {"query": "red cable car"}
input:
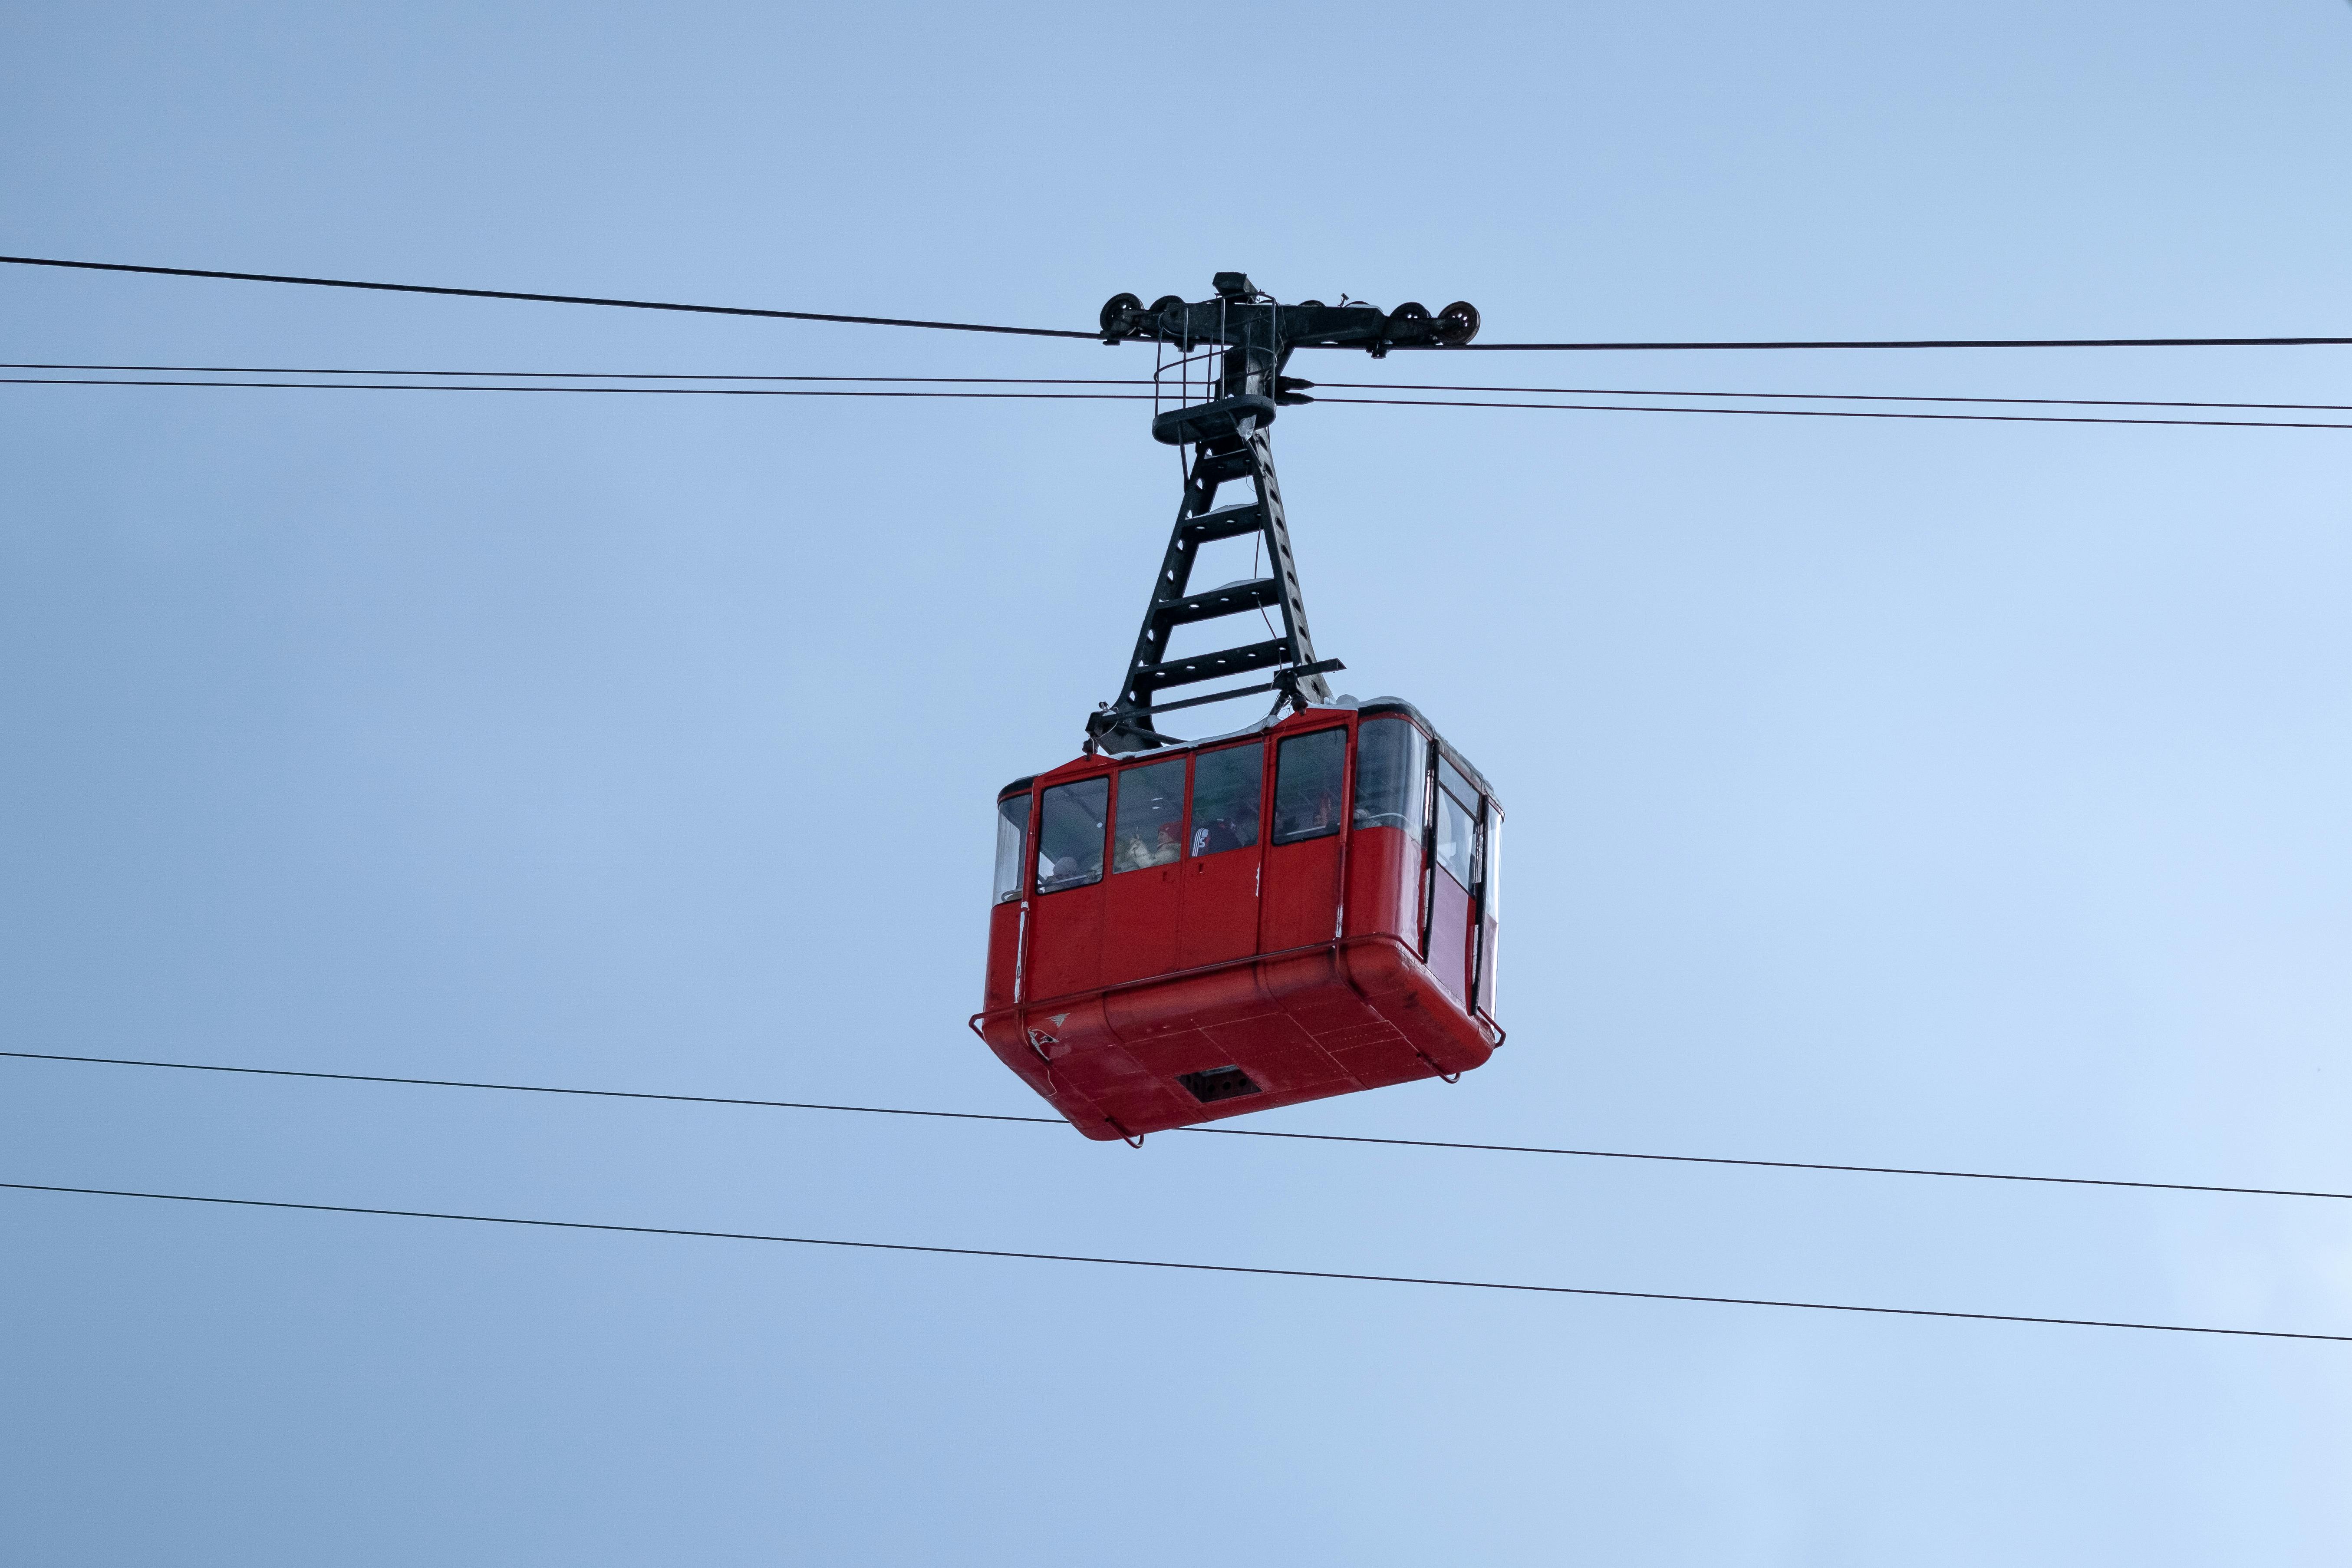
[(1186, 931), (1306, 909)]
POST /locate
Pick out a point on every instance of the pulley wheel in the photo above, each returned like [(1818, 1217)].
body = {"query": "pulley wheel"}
[(1116, 311), (1457, 323)]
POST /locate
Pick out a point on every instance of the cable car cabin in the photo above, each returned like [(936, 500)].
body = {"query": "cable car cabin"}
[(1305, 909)]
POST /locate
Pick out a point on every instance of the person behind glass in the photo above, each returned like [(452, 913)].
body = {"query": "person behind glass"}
[(1163, 849), (1167, 845), (1216, 837), (1132, 854)]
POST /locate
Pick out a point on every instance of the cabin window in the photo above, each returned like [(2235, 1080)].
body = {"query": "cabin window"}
[(1070, 822), (1392, 774), (1451, 777), (1492, 895), (1309, 775), (1012, 839), (1226, 788), (1456, 836), (1150, 816)]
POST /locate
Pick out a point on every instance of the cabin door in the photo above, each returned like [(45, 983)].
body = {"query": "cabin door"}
[(1218, 879), (1301, 904), (1147, 863)]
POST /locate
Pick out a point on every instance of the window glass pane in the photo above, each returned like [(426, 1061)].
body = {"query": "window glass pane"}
[(1494, 864), (1227, 786), (1309, 772), (1455, 839), (1150, 816), (1070, 822), (1011, 837), (1451, 777), (1391, 767)]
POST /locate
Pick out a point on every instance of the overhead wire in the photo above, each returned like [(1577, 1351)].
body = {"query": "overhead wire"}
[(1214, 1131), (1728, 344), (542, 299), (1797, 396), (1169, 1264), (1846, 414), (1144, 398), (1743, 343), (604, 375), (619, 391), (1146, 381)]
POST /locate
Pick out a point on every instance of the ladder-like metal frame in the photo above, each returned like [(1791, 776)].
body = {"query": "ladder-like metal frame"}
[(1246, 454), (1227, 434)]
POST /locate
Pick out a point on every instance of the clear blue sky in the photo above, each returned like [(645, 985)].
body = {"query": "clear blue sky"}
[(1954, 795)]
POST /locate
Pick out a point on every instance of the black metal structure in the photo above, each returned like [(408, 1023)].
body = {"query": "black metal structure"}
[(1234, 348)]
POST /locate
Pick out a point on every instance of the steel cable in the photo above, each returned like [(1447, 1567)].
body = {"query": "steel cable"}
[(1848, 414), (1214, 1131), (1895, 343), (1187, 1268), (1145, 397), (1069, 332), (541, 298), (1146, 381), (606, 375), (635, 391)]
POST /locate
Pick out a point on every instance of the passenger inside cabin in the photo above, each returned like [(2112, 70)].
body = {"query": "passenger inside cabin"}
[(1165, 848), (1216, 837), (1071, 822), (1150, 816), (1311, 768), (1225, 796)]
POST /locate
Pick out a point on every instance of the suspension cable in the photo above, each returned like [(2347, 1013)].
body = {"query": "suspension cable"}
[(1145, 397), (1169, 1264), (541, 298), (1066, 333), (1214, 1131), (1387, 386)]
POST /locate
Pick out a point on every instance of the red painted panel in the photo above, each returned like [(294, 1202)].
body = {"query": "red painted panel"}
[(1004, 951), (1187, 1051), (1219, 916), (1002, 1032), (1066, 940), (1384, 884), (1304, 1027), (1140, 924), (1449, 936), (1302, 895), (1399, 986)]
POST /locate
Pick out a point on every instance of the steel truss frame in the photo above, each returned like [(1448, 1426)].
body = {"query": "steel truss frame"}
[(1227, 434)]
